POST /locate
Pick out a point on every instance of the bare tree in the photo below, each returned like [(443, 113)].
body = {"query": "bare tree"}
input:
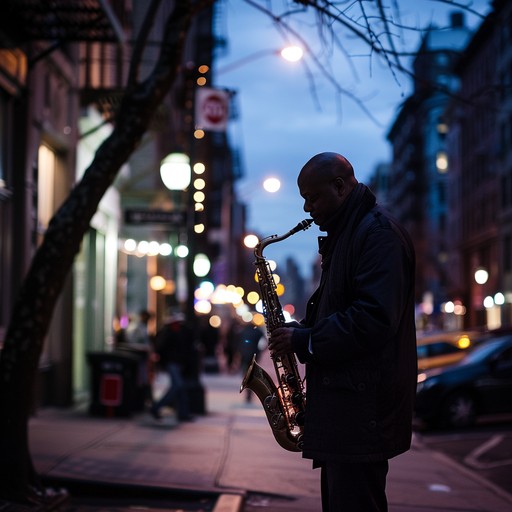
[(350, 30), (374, 25), (54, 258)]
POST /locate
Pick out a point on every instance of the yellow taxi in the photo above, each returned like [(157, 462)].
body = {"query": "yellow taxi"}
[(444, 348)]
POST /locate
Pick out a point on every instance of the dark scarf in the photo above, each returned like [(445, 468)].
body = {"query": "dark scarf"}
[(334, 248), (342, 224)]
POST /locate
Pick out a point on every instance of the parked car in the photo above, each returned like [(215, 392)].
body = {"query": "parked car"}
[(481, 383), (445, 348)]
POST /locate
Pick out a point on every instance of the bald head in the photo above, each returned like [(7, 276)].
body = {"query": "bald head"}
[(324, 183), (328, 166)]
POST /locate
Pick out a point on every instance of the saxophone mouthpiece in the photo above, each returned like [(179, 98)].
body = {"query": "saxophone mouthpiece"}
[(303, 224)]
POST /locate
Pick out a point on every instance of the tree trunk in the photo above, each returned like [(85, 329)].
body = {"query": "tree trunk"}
[(53, 260)]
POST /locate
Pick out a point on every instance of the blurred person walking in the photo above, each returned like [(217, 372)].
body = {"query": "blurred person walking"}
[(173, 347), (137, 332)]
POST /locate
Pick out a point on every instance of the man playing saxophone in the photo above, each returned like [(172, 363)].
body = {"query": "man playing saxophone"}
[(357, 340)]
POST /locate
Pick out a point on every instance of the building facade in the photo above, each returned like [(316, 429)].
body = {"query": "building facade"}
[(61, 80), (450, 177), (418, 173), (480, 171), (41, 107)]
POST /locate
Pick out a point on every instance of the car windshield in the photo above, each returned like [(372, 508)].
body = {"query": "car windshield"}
[(483, 351)]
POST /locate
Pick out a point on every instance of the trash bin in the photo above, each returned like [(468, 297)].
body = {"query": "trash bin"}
[(113, 383), (143, 391)]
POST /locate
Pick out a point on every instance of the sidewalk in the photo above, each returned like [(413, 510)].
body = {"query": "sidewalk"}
[(230, 453)]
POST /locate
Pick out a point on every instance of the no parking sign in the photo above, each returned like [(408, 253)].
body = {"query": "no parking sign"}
[(212, 109)]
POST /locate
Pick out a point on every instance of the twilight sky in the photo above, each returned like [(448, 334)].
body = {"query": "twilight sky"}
[(284, 120)]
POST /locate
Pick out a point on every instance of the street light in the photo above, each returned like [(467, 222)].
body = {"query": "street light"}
[(175, 171), (290, 53), (272, 185), (201, 265), (250, 241), (176, 174), (481, 275)]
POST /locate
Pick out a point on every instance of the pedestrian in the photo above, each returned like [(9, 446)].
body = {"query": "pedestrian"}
[(209, 336), (137, 341), (357, 340), (172, 346), (137, 332), (231, 347), (251, 341)]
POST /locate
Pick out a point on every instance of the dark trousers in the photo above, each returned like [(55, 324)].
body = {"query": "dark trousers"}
[(354, 487), (176, 395)]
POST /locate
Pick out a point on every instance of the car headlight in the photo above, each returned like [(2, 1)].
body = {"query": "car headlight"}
[(425, 382)]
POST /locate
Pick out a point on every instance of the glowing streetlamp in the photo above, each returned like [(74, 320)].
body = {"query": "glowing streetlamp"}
[(201, 265), (481, 275), (272, 185), (290, 53), (175, 171), (250, 241), (176, 174)]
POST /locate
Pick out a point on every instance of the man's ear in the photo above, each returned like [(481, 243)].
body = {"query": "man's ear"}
[(340, 184)]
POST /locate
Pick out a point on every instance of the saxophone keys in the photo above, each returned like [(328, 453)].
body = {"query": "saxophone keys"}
[(291, 380), (271, 403), (297, 398), (278, 422), (299, 419)]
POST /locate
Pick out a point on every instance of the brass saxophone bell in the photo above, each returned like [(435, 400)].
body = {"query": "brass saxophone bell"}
[(284, 404)]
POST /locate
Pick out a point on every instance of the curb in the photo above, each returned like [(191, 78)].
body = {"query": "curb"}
[(222, 501), (229, 503)]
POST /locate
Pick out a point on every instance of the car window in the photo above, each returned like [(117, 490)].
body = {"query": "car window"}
[(481, 352)]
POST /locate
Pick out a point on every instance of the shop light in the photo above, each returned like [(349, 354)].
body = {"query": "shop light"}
[(201, 265), (488, 302), (499, 299), (157, 283), (181, 251), (165, 249), (481, 275)]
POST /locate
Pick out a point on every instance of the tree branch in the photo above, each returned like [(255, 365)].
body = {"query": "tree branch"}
[(141, 41)]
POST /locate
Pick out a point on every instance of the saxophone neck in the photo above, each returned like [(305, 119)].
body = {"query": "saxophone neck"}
[(301, 226)]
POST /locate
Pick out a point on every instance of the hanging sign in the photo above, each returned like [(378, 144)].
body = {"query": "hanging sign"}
[(141, 216)]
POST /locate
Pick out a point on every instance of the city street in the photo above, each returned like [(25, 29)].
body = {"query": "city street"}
[(228, 461)]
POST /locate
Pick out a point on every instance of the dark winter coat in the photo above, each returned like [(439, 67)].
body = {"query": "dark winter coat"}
[(359, 344), (174, 343)]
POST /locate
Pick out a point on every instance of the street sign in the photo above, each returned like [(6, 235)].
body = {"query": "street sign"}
[(212, 109), (140, 216)]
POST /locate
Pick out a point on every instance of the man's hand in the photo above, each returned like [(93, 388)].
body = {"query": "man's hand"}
[(280, 342)]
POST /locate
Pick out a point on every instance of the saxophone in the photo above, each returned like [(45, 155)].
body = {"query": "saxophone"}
[(285, 403)]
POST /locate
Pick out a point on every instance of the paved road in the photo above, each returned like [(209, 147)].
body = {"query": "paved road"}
[(485, 449)]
